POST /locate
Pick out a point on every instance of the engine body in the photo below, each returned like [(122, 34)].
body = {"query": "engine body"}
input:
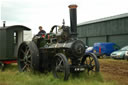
[(59, 42), (59, 51)]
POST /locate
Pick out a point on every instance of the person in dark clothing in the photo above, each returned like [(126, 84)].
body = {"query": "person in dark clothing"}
[(41, 31), (42, 34)]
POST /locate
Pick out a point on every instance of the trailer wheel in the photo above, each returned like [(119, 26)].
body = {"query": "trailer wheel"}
[(61, 67), (2, 65), (28, 57), (91, 62)]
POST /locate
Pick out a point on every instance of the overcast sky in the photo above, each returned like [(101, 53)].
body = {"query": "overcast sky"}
[(33, 13)]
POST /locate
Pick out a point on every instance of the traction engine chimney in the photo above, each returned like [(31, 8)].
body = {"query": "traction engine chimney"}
[(73, 20)]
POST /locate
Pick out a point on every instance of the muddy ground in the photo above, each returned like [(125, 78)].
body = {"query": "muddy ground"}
[(116, 70)]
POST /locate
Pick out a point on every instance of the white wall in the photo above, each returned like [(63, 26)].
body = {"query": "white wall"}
[(27, 35), (20, 40)]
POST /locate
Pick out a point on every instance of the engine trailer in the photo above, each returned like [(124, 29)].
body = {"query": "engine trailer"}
[(10, 39), (59, 52)]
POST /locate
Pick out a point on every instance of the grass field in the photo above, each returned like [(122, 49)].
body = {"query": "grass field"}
[(11, 76)]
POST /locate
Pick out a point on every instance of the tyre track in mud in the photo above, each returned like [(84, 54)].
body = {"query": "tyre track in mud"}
[(114, 70)]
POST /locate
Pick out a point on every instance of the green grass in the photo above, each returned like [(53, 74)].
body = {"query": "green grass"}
[(11, 76)]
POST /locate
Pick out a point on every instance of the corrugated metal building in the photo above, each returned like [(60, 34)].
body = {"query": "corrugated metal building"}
[(110, 29)]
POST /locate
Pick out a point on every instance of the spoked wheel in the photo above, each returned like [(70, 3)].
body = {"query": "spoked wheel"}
[(26, 57), (61, 67), (91, 62)]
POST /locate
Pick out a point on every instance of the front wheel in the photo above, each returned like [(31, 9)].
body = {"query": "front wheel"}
[(61, 67), (91, 62)]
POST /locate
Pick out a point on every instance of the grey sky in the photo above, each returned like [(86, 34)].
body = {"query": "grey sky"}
[(47, 13)]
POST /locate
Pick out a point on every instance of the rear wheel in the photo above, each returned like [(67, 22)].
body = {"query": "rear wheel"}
[(91, 62), (26, 57), (61, 67)]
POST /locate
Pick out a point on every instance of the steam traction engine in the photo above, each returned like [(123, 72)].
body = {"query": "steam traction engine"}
[(58, 51)]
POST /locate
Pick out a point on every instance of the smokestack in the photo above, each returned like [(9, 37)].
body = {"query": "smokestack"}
[(4, 23), (73, 20)]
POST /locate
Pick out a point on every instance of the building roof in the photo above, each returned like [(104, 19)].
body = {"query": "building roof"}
[(17, 27), (105, 19)]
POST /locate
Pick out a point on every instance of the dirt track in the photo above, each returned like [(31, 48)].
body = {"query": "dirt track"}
[(115, 70)]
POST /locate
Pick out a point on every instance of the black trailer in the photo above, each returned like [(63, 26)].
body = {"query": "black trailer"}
[(10, 39)]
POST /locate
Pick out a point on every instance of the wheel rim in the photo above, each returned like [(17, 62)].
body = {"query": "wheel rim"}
[(24, 58), (61, 68), (92, 64)]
